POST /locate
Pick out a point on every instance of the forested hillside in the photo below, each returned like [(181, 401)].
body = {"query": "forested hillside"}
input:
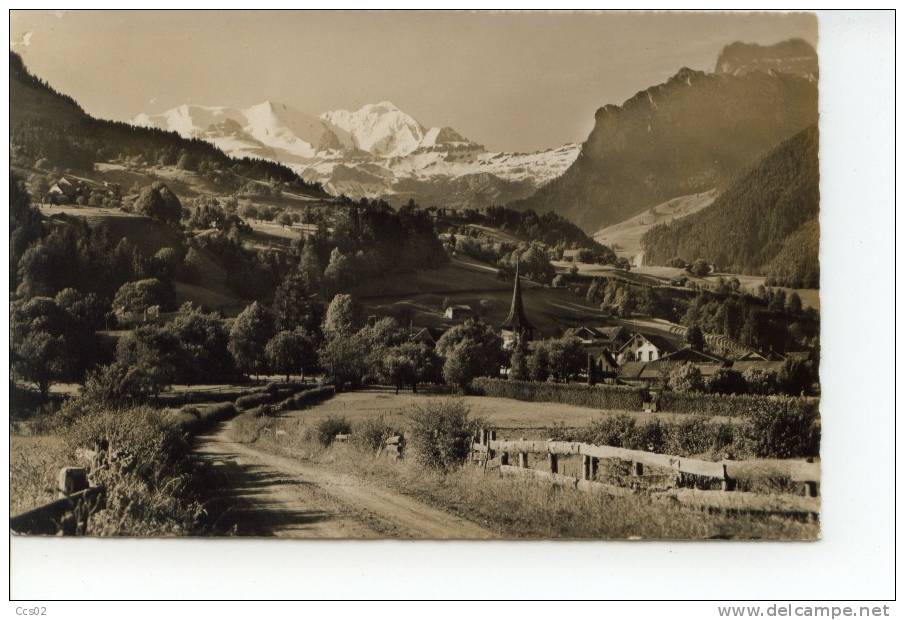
[(47, 125), (765, 223)]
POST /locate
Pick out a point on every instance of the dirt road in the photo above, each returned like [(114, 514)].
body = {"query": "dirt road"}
[(270, 495)]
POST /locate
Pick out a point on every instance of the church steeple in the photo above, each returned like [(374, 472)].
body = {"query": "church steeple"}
[(517, 324)]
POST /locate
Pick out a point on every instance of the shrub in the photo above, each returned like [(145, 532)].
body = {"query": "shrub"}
[(146, 469), (328, 428), (695, 435), (370, 434), (441, 433), (782, 433), (686, 378), (254, 400), (648, 436), (610, 430)]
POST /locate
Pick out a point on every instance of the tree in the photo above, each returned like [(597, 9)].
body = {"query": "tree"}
[(310, 268), (694, 337), (699, 268), (153, 353), (686, 378), (518, 361), (138, 296), (158, 202), (343, 357), (340, 271), (399, 368), (295, 305), (290, 351), (46, 343), (566, 357), (166, 264), (205, 346), (249, 336), (760, 381), (482, 336), (463, 363), (88, 309), (539, 363), (795, 377), (342, 317), (793, 304), (727, 381)]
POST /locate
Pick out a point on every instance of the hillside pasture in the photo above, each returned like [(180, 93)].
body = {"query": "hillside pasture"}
[(467, 282), (625, 237)]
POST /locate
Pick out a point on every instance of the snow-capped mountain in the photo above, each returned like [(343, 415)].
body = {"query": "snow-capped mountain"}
[(377, 150)]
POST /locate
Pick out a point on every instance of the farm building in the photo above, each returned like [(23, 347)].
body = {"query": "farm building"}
[(645, 348), (458, 312)]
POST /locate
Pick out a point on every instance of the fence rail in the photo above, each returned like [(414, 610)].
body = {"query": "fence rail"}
[(67, 515), (496, 454)]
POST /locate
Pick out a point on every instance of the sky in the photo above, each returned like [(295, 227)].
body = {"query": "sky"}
[(510, 81)]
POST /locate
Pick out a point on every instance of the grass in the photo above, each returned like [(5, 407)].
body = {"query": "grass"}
[(511, 418), (525, 509), (35, 461), (513, 508)]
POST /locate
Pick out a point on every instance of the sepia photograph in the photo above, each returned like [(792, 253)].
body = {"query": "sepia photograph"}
[(464, 276)]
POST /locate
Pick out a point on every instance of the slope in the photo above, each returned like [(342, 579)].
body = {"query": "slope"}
[(690, 134), (764, 223)]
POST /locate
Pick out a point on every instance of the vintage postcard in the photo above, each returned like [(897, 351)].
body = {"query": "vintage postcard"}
[(433, 275)]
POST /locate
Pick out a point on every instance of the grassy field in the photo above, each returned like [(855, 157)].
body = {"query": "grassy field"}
[(511, 508), (625, 237), (35, 461), (661, 275), (468, 282), (511, 418)]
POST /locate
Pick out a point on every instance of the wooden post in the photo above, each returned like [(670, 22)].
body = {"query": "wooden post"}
[(727, 483), (595, 463), (504, 458), (71, 480), (523, 459), (492, 436), (553, 460), (810, 488), (637, 468), (482, 437), (585, 467)]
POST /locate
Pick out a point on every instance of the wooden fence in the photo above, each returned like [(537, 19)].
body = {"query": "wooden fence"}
[(68, 514), (493, 454)]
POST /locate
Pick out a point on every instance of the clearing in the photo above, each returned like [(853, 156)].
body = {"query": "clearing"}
[(625, 237)]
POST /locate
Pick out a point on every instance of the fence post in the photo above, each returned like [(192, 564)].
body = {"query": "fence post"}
[(553, 460), (523, 459), (810, 488), (504, 458), (482, 437), (637, 468), (71, 480), (595, 463), (585, 467), (727, 483)]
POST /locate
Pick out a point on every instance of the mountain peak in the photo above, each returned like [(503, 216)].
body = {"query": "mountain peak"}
[(792, 56)]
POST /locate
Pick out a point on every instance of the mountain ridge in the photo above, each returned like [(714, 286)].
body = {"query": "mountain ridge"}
[(375, 151), (691, 133)]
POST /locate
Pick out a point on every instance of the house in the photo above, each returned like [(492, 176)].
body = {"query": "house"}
[(645, 348), (694, 356), (63, 191), (427, 335), (458, 312), (516, 324), (604, 362), (587, 335)]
